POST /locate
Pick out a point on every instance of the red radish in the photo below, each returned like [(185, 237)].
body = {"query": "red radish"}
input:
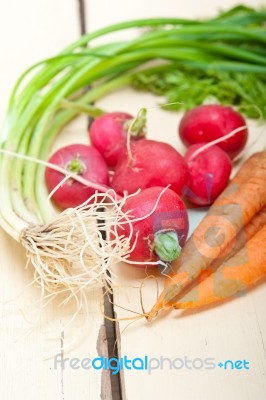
[(207, 123), (150, 163), (108, 133), (83, 160), (209, 173), (161, 234)]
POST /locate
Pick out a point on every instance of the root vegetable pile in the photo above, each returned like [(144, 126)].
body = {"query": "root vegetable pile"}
[(67, 249)]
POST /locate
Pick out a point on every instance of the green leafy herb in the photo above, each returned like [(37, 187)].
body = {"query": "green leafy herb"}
[(187, 87)]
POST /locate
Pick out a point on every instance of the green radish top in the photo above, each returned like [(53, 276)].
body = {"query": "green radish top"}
[(76, 166), (137, 126), (166, 245)]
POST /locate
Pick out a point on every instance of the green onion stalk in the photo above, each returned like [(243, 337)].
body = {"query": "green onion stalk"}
[(65, 248)]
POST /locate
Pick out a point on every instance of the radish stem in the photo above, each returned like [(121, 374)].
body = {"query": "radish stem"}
[(166, 245)]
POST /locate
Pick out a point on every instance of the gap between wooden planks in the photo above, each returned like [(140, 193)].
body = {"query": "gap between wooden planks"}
[(108, 344)]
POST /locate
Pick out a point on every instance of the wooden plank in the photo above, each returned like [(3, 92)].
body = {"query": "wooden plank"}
[(236, 330), (31, 337)]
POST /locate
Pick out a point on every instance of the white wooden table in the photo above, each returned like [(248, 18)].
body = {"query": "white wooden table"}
[(32, 30)]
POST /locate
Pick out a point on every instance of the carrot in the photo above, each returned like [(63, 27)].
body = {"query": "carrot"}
[(241, 271), (244, 197), (247, 169), (243, 237)]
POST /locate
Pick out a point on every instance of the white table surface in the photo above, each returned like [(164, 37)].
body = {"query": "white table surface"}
[(32, 30)]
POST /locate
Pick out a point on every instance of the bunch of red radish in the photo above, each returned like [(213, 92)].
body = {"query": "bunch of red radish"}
[(160, 220)]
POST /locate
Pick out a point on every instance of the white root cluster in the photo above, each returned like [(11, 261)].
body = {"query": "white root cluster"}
[(75, 250)]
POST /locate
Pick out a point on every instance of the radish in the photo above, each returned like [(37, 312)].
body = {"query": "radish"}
[(150, 163), (207, 123), (158, 225), (209, 169), (108, 133), (79, 159)]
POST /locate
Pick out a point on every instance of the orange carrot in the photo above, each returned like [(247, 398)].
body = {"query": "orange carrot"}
[(243, 237), (247, 169), (241, 271), (249, 230), (233, 209)]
